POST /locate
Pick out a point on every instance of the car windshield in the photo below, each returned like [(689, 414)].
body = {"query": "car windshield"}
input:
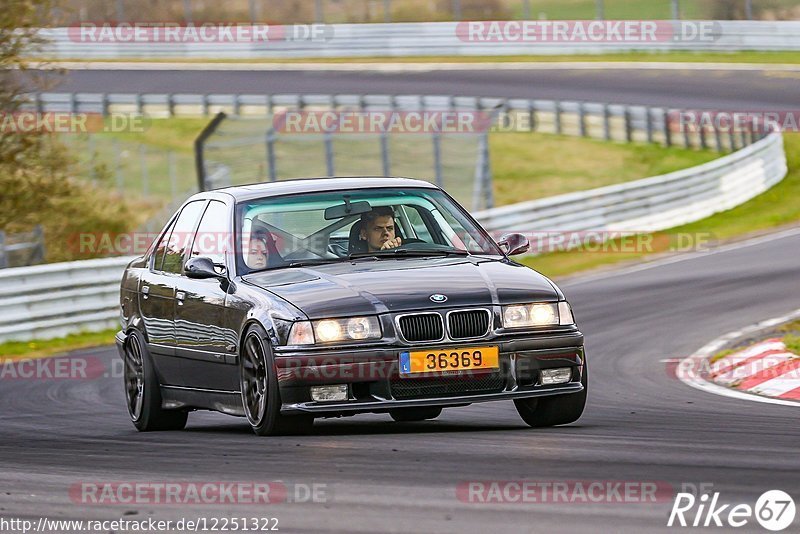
[(314, 228)]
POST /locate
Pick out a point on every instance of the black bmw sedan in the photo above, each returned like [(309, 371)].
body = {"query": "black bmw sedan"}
[(288, 301)]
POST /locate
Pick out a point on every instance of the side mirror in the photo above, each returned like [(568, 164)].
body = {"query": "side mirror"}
[(514, 244), (201, 268)]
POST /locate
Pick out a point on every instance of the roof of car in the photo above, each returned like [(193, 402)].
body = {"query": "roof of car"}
[(312, 185)]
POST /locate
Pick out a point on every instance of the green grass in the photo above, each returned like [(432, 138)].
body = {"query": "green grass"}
[(776, 57), (528, 166), (12, 350), (772, 209)]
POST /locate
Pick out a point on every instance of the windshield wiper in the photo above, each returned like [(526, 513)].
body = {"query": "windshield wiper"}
[(393, 252)]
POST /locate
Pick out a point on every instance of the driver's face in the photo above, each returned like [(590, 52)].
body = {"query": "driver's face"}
[(378, 232)]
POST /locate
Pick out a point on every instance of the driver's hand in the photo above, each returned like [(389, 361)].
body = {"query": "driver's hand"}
[(392, 243)]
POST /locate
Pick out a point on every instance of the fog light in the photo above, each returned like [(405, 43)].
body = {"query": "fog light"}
[(556, 376), (329, 393)]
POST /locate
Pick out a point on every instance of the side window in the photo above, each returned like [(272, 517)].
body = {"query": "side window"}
[(212, 236), (420, 228), (178, 246), (161, 249)]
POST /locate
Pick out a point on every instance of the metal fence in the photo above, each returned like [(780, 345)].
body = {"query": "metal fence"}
[(133, 168), (245, 147), (22, 249), (431, 39)]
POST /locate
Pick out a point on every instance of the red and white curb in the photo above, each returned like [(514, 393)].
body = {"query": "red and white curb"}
[(765, 372)]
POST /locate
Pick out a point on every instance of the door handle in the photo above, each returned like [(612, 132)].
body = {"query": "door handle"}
[(145, 292), (180, 296)]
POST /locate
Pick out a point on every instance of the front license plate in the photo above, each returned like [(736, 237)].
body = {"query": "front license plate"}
[(462, 359)]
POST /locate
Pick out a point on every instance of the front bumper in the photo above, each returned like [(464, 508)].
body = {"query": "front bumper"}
[(375, 385)]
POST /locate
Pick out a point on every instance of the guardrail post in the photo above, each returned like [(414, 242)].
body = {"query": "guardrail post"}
[(606, 123), (106, 105), (531, 116), (139, 104), (37, 256), (717, 137), (581, 119), (557, 117), (649, 123), (271, 168), (687, 141), (270, 108), (732, 138), (3, 256), (703, 140), (628, 125), (73, 103), (171, 104), (667, 131), (237, 105), (205, 105)]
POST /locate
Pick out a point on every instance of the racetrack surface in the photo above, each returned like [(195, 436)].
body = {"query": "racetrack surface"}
[(641, 424), (706, 89)]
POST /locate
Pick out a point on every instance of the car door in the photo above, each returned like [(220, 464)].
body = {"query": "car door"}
[(157, 294), (204, 342)]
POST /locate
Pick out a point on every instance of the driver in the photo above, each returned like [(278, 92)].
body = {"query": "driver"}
[(377, 229)]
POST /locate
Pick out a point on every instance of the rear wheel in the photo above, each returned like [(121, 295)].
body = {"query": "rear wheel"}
[(143, 392), (555, 410), (259, 385), (405, 415)]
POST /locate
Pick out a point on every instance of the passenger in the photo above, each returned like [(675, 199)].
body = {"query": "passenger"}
[(257, 251)]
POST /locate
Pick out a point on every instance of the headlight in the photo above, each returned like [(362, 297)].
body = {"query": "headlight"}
[(332, 330), (538, 314)]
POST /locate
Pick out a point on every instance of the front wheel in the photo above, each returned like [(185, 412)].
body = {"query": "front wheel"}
[(555, 410), (259, 385), (143, 392)]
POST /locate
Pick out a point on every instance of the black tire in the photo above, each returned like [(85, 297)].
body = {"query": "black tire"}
[(406, 415), (258, 383), (143, 392), (556, 410)]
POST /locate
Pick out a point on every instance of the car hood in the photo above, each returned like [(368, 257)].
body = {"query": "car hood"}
[(394, 285)]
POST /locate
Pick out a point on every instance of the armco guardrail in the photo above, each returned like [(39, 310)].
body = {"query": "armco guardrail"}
[(53, 300), (612, 122), (431, 38), (654, 203)]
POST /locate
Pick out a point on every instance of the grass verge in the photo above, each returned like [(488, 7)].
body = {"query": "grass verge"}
[(15, 350), (772, 209)]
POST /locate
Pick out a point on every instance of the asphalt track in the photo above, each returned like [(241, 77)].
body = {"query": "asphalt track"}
[(690, 88), (641, 423)]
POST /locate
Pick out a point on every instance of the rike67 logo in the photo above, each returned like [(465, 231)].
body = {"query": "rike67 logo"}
[(774, 510)]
